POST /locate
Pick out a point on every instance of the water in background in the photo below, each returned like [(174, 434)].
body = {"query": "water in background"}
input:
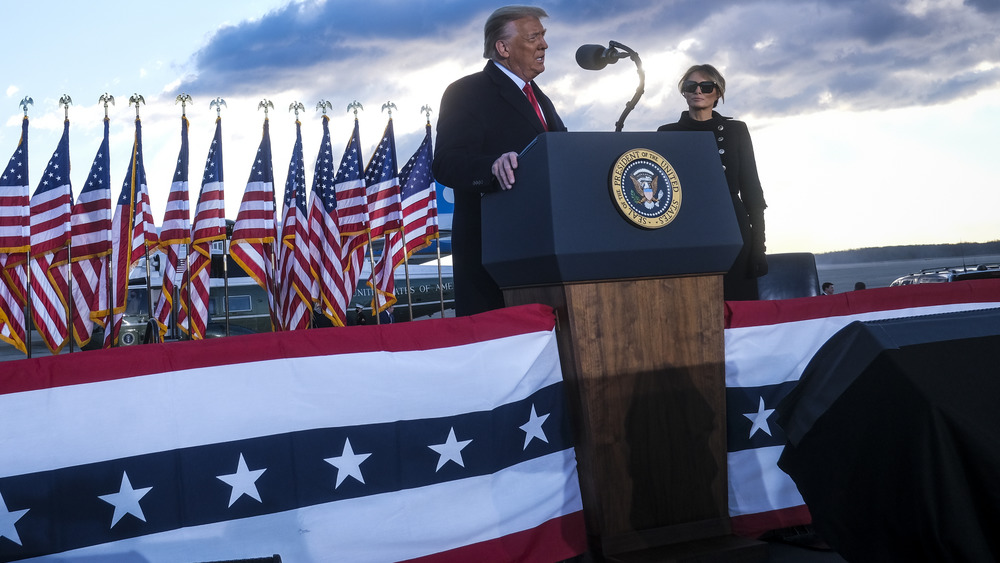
[(881, 274)]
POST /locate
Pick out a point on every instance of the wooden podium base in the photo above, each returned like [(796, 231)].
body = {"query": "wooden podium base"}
[(644, 365)]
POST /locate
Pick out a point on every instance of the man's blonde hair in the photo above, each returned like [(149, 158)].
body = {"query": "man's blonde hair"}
[(496, 26)]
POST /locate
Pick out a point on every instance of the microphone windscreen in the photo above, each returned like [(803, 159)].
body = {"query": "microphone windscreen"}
[(591, 57)]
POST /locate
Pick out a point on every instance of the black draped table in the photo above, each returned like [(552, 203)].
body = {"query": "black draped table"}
[(894, 438)]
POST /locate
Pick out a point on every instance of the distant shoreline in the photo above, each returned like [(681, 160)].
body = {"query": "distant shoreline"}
[(908, 252)]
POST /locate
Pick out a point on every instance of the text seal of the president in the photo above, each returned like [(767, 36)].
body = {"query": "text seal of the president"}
[(645, 189)]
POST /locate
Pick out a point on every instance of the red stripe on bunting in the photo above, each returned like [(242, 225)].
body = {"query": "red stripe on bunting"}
[(741, 314), (755, 525), (135, 361), (558, 539)]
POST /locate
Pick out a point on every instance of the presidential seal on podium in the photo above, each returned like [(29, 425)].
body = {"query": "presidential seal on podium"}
[(645, 189)]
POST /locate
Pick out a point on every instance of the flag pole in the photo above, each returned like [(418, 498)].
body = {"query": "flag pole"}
[(265, 103), (218, 102), (133, 99), (27, 267), (65, 100), (324, 106), (296, 107), (406, 271), (145, 243), (225, 274), (27, 302), (355, 105), (371, 253), (110, 318), (275, 280), (371, 260), (406, 255), (184, 293), (175, 300), (402, 231), (437, 243)]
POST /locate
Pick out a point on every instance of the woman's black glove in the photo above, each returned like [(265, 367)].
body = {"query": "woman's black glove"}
[(758, 250)]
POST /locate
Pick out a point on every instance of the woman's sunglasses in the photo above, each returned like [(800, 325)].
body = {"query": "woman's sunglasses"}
[(690, 86)]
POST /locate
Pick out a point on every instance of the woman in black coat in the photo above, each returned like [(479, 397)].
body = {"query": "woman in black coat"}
[(703, 87)]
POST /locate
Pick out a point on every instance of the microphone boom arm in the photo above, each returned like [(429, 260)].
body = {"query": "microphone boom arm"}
[(638, 91)]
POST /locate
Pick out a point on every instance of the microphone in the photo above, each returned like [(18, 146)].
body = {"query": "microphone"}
[(596, 57)]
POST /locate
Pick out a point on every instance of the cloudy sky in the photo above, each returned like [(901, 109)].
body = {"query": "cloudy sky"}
[(873, 120)]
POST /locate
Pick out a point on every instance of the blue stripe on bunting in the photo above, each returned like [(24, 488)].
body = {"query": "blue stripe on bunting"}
[(65, 510)]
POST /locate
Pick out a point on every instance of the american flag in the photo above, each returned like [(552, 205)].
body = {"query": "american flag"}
[(132, 232), (384, 213), (382, 179), (91, 246), (14, 233), (352, 211), (295, 297), (419, 195), (420, 225), (51, 209), (325, 254), (175, 236), (255, 231), (209, 226)]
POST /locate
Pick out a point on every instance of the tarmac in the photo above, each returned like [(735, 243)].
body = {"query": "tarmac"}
[(776, 552), (786, 553), (799, 544)]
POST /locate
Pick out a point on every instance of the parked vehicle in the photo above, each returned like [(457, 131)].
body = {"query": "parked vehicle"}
[(949, 274)]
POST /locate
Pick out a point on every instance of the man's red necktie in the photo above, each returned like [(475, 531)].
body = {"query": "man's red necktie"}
[(530, 92)]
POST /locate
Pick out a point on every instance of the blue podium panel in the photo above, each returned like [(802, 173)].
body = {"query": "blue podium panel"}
[(562, 223)]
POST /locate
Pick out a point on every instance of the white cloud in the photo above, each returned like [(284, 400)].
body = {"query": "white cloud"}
[(848, 102)]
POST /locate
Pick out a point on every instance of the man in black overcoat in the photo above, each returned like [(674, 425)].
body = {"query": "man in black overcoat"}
[(485, 120)]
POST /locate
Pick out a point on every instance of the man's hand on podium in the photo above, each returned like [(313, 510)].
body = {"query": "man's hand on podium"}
[(503, 169)]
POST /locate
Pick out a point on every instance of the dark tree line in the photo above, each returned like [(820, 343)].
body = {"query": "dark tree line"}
[(909, 252)]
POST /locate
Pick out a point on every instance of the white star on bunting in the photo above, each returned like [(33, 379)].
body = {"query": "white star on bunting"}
[(8, 519), (126, 500), (348, 464), (243, 482), (759, 419), (533, 428), (450, 450)]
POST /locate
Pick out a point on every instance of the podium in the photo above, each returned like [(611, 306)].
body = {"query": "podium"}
[(640, 316)]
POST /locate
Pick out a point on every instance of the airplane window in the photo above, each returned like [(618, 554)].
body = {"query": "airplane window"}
[(136, 303), (240, 304)]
